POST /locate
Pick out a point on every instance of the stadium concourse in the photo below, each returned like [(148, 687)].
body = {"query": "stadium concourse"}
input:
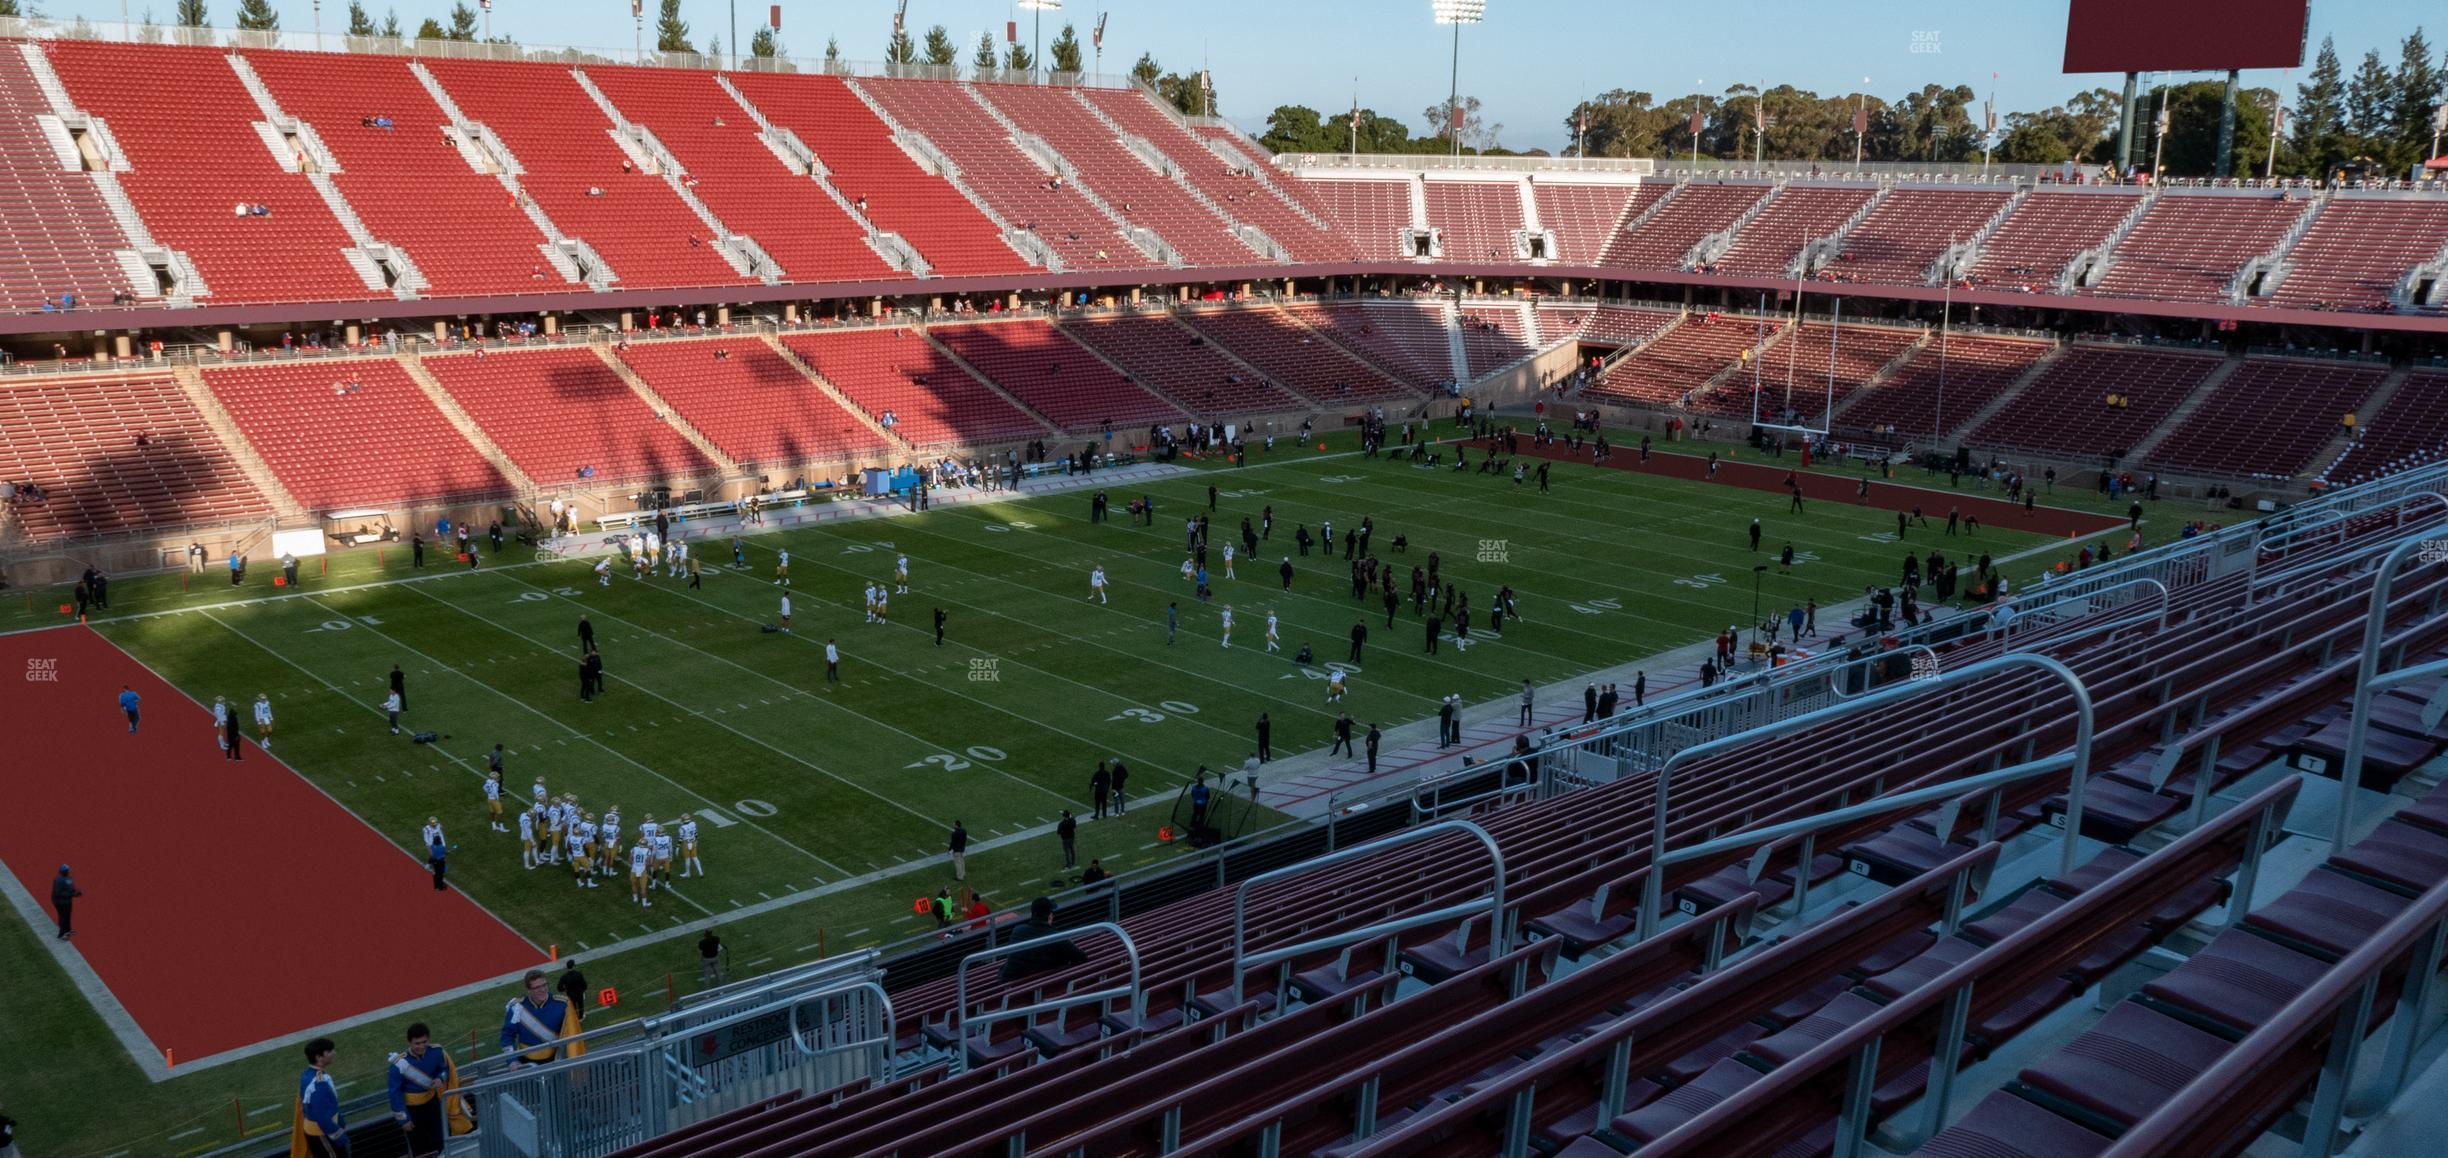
[(2127, 840)]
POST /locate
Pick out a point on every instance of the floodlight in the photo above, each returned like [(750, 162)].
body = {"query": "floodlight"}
[(1458, 11)]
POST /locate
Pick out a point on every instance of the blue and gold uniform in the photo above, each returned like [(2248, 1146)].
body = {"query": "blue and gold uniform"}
[(421, 1078), (534, 1025), (316, 1130)]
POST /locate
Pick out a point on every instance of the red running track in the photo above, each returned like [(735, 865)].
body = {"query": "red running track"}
[(226, 902), (1996, 514)]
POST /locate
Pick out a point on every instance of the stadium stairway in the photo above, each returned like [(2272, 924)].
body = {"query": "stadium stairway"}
[(284, 506), (2339, 443), (1009, 399), (670, 413), (468, 426), (2007, 396), (2184, 411), (890, 436)]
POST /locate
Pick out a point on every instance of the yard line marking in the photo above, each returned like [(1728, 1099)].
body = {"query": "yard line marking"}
[(857, 932), (923, 742), (785, 753), (186, 1134)]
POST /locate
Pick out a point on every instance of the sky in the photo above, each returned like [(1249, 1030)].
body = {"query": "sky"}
[(1529, 62)]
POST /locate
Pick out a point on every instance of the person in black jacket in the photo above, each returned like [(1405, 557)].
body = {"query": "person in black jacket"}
[(586, 635), (1359, 635), (1121, 782), (64, 893), (399, 686), (1099, 785), (573, 987), (1068, 829), (1043, 958), (1266, 736)]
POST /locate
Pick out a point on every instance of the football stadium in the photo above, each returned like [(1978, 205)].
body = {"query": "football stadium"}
[(1814, 616)]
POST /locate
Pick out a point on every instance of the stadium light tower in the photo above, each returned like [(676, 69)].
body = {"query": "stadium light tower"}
[(1037, 10), (1456, 13)]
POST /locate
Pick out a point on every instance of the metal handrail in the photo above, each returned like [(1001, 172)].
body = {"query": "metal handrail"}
[(892, 1024), (2285, 538), (2369, 680), (1653, 885), (2347, 992), (962, 1022), (1493, 905)]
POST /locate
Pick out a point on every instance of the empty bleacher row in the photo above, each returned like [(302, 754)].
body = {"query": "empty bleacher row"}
[(195, 142), (561, 412), (358, 432), (1405, 337), (1809, 369), (2410, 429), (932, 400), (1494, 337), (1953, 378), (56, 242), (1287, 352), (750, 402), (1452, 1036), (1032, 360), (2096, 400), (112, 455)]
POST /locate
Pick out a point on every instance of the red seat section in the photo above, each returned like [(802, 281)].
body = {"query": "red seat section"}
[(2358, 249), (2189, 247), (353, 433), (1285, 352), (2068, 408), (573, 170), (739, 178), (1943, 386), (933, 401), (556, 411), (2268, 418), (1562, 323), (1583, 217), (1476, 218), (2039, 239), (76, 439), (407, 182), (1161, 354), (1904, 236), (754, 405), (2410, 429), (1242, 197), (1806, 368), (995, 169), (1625, 326), (1697, 210), (1493, 337), (186, 125), (1036, 364), (1767, 246), (1679, 361), (1405, 337), (57, 238), (1373, 213), (857, 148), (1126, 183)]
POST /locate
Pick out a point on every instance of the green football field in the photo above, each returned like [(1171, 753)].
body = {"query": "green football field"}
[(826, 806)]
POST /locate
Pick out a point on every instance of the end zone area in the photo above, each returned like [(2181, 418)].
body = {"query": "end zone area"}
[(225, 902)]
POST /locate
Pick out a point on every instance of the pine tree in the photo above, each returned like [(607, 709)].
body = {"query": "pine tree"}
[(431, 29), (258, 16), (2320, 113), (940, 51), (765, 42), (2418, 97), (192, 14), (1018, 58), (9, 10), (360, 22), (899, 50), (1066, 50), (391, 24), (1147, 70), (671, 32), (2370, 99), (985, 58)]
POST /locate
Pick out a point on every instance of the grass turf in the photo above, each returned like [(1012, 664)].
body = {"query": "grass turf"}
[(840, 796)]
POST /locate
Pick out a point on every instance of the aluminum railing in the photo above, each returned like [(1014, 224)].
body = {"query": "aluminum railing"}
[(2371, 681), (1492, 905), (2078, 761), (963, 1022)]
